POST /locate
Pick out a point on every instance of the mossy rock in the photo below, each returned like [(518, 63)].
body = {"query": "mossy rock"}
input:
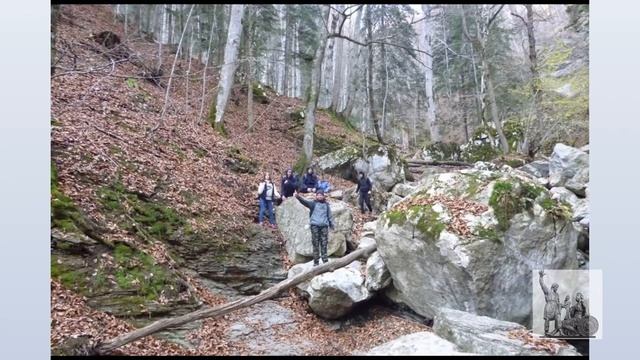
[(511, 196), (441, 151), (65, 214), (259, 93), (513, 161), (514, 132), (423, 217), (297, 116), (324, 145), (239, 163), (129, 285), (143, 217)]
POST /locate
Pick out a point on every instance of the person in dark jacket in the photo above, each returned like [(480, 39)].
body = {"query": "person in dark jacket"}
[(309, 182), (289, 184), (320, 220), (364, 190)]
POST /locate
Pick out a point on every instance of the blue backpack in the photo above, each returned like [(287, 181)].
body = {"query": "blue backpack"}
[(324, 186)]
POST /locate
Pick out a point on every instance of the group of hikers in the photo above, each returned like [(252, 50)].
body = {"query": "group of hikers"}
[(320, 219)]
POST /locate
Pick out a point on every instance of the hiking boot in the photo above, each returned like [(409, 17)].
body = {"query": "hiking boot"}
[(316, 264)]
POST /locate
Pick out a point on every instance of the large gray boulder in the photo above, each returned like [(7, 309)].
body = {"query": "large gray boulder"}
[(403, 189), (293, 222), (368, 228), (486, 336), (579, 206), (538, 168), (377, 274), (339, 162), (383, 166), (333, 294), (420, 343), (441, 253), (569, 167)]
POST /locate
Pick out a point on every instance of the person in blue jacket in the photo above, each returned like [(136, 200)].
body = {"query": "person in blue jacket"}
[(324, 185), (309, 182), (321, 220), (289, 184)]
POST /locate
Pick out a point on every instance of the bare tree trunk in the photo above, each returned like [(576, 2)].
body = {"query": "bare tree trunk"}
[(386, 89), (314, 89), (372, 113), (187, 79), (287, 51), (204, 72), (531, 143), (336, 100), (228, 68), (55, 13), (478, 44), (327, 73), (429, 33), (353, 68), (446, 49), (219, 310), (166, 95), (161, 24), (126, 20), (249, 39), (296, 62)]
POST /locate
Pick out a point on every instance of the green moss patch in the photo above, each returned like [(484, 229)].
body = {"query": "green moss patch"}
[(514, 196), (426, 219), (323, 145), (145, 218), (489, 233), (259, 93), (239, 163), (505, 201), (65, 215)]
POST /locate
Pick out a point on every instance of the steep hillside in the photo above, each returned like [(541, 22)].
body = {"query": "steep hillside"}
[(138, 196)]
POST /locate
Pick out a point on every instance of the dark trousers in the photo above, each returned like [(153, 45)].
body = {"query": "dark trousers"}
[(319, 239), (364, 198)]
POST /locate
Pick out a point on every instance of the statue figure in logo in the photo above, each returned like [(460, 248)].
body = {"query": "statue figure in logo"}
[(552, 307)]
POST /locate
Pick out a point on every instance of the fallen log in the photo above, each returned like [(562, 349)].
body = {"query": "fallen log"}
[(108, 346), (435, 162)]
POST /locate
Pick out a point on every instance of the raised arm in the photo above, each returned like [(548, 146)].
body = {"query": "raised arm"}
[(304, 201), (545, 289)]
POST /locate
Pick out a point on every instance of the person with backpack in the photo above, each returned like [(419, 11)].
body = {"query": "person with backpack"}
[(320, 220), (309, 182), (289, 184), (267, 193), (364, 190)]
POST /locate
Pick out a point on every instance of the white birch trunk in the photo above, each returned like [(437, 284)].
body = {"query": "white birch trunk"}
[(229, 66)]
